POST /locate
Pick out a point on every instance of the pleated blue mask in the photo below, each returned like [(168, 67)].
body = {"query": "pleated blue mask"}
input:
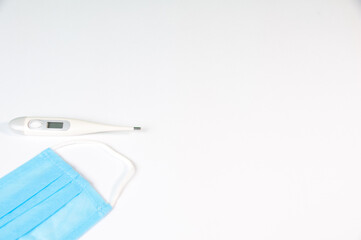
[(46, 199)]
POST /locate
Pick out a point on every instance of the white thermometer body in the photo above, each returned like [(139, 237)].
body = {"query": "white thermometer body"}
[(49, 126)]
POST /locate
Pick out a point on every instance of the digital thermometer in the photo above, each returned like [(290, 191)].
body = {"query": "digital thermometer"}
[(47, 126)]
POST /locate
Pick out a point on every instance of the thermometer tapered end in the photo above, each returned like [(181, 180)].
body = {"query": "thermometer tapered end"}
[(137, 128)]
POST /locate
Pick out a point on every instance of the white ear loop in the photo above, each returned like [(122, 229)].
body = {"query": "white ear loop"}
[(120, 184)]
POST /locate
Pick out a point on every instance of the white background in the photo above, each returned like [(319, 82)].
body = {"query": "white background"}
[(251, 109)]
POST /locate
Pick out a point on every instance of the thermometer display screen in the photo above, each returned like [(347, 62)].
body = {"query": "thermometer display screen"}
[(55, 125)]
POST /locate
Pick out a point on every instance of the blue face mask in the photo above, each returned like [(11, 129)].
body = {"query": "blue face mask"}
[(47, 199)]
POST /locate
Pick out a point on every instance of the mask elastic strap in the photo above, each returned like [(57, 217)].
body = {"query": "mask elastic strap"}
[(120, 183)]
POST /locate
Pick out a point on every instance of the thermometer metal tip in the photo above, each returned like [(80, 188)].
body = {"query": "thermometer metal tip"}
[(137, 128)]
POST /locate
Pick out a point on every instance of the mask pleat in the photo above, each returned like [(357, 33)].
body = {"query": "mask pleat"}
[(36, 199), (84, 208), (39, 213), (42, 173)]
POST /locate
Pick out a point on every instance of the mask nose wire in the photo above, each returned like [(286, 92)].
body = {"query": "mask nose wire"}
[(121, 183)]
